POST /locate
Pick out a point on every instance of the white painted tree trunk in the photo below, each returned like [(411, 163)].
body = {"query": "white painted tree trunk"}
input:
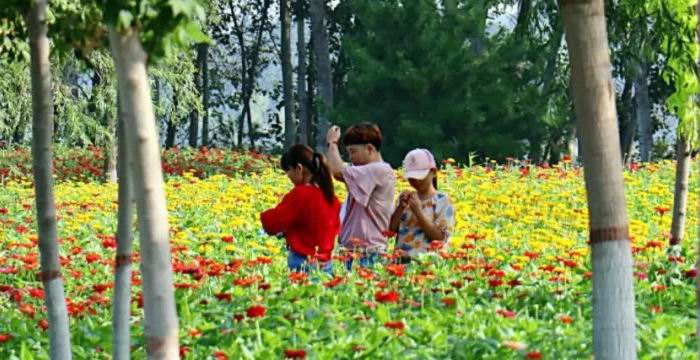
[(42, 165), (680, 195), (161, 323), (594, 99), (121, 303)]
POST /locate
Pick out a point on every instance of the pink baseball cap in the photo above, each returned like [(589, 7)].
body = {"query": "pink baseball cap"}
[(418, 163)]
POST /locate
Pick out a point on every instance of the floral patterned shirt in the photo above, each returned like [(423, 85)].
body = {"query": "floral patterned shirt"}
[(411, 238)]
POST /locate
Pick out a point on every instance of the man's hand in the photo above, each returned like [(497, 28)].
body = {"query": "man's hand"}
[(333, 134)]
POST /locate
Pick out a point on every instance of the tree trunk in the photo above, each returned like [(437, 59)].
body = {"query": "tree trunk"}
[(289, 123), (251, 131), (311, 99), (42, 165), (680, 195), (170, 133), (204, 49), (323, 69), (301, 77), (594, 99), (161, 323), (641, 100), (121, 303), (625, 118), (110, 152), (521, 25), (194, 115)]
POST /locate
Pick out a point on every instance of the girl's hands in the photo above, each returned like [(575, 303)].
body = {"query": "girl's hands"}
[(413, 202)]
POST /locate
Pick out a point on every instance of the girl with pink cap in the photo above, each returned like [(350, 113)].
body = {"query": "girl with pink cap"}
[(424, 218)]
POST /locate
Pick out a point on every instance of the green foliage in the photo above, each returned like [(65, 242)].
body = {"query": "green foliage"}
[(415, 71), (164, 25)]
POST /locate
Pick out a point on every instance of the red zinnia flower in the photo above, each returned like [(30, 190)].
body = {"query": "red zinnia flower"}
[(295, 354), (495, 282), (256, 311), (44, 324), (534, 355), (263, 260), (396, 269), (566, 319), (448, 301), (36, 293), (92, 257), (387, 297), (227, 239), (435, 245), (219, 355), (5, 338), (298, 277), (505, 313), (4, 211), (396, 325), (661, 210), (28, 309), (223, 297), (334, 282), (692, 273)]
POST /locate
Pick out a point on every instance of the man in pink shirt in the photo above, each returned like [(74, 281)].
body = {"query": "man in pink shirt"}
[(370, 182)]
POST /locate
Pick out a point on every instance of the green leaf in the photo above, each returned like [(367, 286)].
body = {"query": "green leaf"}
[(24, 353), (195, 33)]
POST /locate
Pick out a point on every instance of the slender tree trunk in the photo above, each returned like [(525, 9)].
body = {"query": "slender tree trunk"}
[(204, 49), (323, 69), (301, 77), (251, 131), (572, 143), (641, 99), (110, 151), (161, 323), (624, 117), (311, 99), (594, 99), (289, 123), (521, 25), (194, 115), (121, 303), (42, 165), (680, 195), (170, 133)]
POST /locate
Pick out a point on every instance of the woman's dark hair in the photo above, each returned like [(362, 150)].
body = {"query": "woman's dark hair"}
[(315, 163), (363, 133), (435, 183)]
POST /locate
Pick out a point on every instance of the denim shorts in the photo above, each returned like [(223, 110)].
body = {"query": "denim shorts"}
[(299, 263)]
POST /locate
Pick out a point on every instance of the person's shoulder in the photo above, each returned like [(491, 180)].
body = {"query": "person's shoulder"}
[(381, 167), (443, 197)]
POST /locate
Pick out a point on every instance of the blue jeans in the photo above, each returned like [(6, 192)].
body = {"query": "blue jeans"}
[(366, 260), (298, 263)]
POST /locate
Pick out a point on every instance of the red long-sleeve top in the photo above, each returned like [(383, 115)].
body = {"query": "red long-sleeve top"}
[(308, 221)]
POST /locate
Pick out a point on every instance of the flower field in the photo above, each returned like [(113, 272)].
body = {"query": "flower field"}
[(515, 282)]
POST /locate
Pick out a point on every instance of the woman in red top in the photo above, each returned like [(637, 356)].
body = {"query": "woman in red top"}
[(309, 214)]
